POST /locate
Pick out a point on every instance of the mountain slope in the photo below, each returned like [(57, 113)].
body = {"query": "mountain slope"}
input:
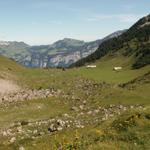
[(135, 42), (64, 52), (9, 69), (60, 54), (14, 50)]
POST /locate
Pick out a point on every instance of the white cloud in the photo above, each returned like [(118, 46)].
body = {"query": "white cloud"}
[(99, 17), (128, 7), (126, 18), (40, 4), (56, 22), (34, 23)]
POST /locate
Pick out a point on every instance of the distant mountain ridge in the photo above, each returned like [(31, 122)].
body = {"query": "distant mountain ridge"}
[(62, 53), (14, 50), (134, 42)]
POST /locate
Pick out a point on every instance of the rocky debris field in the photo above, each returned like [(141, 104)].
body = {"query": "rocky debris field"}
[(82, 107), (28, 95), (34, 129)]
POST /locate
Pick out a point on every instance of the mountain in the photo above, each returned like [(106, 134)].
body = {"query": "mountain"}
[(59, 54), (42, 108), (63, 52), (14, 50), (134, 43), (54, 55)]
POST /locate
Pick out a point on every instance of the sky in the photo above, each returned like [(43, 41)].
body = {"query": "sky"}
[(39, 22)]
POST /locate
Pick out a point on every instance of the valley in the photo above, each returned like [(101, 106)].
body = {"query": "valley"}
[(88, 103), (79, 107), (59, 54)]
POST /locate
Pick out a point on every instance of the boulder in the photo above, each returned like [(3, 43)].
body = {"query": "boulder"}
[(21, 148), (12, 140)]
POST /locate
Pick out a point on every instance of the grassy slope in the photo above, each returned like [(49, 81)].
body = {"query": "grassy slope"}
[(6, 63), (104, 70), (70, 81), (22, 111), (9, 69)]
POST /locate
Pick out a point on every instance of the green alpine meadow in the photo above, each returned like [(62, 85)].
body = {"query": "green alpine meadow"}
[(74, 94)]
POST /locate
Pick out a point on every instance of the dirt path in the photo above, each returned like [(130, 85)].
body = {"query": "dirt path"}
[(7, 87)]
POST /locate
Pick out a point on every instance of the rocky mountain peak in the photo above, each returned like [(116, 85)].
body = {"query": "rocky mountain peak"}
[(4, 43), (67, 42)]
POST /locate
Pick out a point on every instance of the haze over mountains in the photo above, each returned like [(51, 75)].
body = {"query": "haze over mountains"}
[(59, 54)]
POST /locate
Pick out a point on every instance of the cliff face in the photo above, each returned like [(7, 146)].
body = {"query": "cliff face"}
[(62, 57)]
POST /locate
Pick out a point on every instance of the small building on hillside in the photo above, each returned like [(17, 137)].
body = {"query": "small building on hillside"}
[(91, 66), (117, 68)]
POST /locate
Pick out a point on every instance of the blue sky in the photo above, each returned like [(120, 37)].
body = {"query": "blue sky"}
[(45, 21)]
